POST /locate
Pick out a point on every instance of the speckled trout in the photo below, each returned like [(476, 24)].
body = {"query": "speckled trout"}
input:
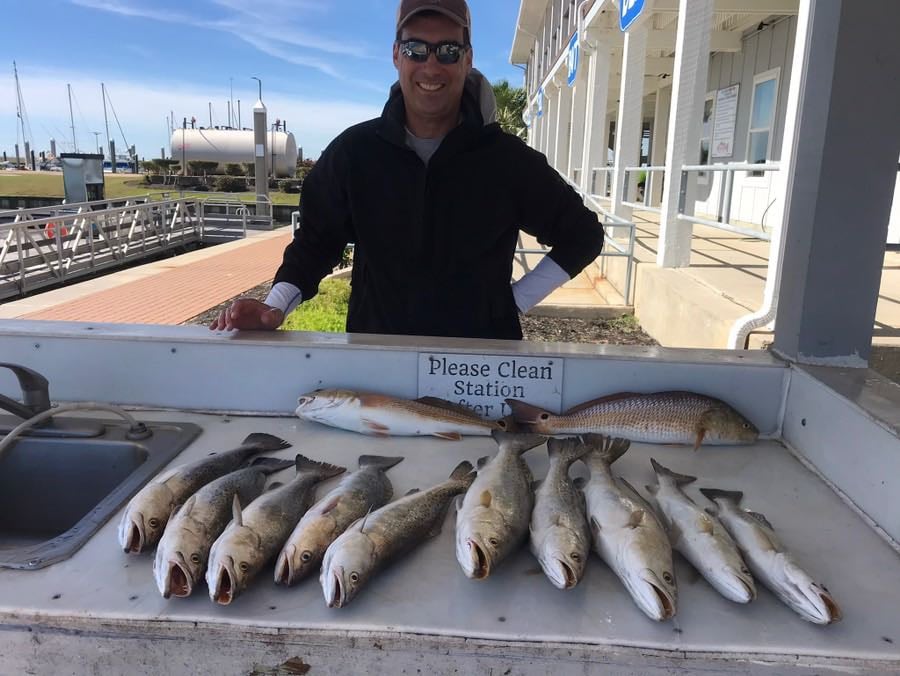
[(493, 518), (184, 548), (626, 532), (256, 534), (148, 512), (770, 561), (560, 538), (376, 539), (701, 537), (386, 416), (356, 495), (657, 418)]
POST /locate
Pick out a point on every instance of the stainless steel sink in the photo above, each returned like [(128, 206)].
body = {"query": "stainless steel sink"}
[(55, 493)]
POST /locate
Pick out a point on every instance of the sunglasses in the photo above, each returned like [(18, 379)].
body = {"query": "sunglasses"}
[(445, 52)]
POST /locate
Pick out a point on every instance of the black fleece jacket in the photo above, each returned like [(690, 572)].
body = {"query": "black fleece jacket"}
[(435, 244)]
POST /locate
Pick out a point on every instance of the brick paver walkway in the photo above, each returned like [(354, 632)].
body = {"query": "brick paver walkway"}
[(175, 295)]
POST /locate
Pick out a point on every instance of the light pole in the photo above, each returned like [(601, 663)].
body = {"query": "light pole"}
[(97, 142)]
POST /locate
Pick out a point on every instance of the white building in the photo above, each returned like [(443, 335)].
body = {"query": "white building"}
[(633, 99)]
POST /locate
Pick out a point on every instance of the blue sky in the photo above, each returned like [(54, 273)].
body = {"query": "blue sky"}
[(324, 64)]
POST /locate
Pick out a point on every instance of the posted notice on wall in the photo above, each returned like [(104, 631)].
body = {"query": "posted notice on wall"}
[(483, 383), (722, 144)]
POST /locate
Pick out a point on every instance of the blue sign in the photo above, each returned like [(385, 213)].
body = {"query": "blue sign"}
[(629, 11), (540, 102), (572, 59)]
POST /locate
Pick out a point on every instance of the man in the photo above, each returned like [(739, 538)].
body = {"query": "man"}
[(433, 198)]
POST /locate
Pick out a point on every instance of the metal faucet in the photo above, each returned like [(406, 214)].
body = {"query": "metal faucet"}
[(35, 392)]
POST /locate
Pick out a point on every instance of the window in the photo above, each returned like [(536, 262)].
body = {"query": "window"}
[(706, 136), (762, 118)]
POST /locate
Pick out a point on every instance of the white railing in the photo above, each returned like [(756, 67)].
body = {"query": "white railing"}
[(39, 252), (653, 174), (722, 187), (601, 183)]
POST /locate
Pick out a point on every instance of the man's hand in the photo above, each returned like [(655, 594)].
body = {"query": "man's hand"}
[(248, 314)]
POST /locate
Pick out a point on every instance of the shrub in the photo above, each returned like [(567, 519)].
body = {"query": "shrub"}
[(230, 184), (200, 168), (232, 169), (249, 168), (289, 185)]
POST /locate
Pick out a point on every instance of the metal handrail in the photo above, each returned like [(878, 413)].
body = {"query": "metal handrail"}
[(651, 172), (725, 196)]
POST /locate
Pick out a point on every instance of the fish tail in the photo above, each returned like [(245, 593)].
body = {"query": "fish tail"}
[(304, 464), (524, 413), (381, 462), (464, 472), (608, 449), (715, 495), (518, 443), (270, 465), (568, 450), (679, 479), (262, 442)]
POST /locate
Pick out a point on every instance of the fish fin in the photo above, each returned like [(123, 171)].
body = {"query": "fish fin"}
[(458, 502), (705, 524), (449, 436), (760, 519), (517, 443), (377, 428), (636, 518), (189, 505), (595, 527), (236, 511), (412, 491), (485, 499), (323, 469), (362, 521), (379, 461), (715, 495), (270, 465), (536, 484), (679, 479), (609, 449), (568, 450), (601, 400), (462, 471), (524, 413), (331, 504), (712, 511), (651, 489), (265, 442), (482, 461), (275, 484), (438, 524), (674, 532), (701, 432), (437, 402), (579, 482)]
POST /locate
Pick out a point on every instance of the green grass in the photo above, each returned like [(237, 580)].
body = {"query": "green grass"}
[(50, 184), (327, 311)]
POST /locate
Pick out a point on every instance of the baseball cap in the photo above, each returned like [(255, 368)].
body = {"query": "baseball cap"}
[(458, 10)]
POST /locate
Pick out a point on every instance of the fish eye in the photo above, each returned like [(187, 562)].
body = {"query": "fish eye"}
[(576, 556), (354, 577), (153, 523), (744, 570), (306, 557), (545, 416), (494, 541), (244, 566), (667, 576), (195, 558)]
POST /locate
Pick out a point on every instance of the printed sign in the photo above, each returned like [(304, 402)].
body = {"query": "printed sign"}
[(260, 150), (722, 144), (540, 102), (629, 11), (572, 58), (483, 383)]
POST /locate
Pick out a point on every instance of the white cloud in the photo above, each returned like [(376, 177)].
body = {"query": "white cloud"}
[(142, 108)]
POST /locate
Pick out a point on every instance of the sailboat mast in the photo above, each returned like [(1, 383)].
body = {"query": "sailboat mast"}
[(21, 118), (105, 118), (72, 118)]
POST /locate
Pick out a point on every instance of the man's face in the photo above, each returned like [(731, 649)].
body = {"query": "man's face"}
[(432, 90)]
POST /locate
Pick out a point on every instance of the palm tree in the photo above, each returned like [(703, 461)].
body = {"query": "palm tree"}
[(510, 106)]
